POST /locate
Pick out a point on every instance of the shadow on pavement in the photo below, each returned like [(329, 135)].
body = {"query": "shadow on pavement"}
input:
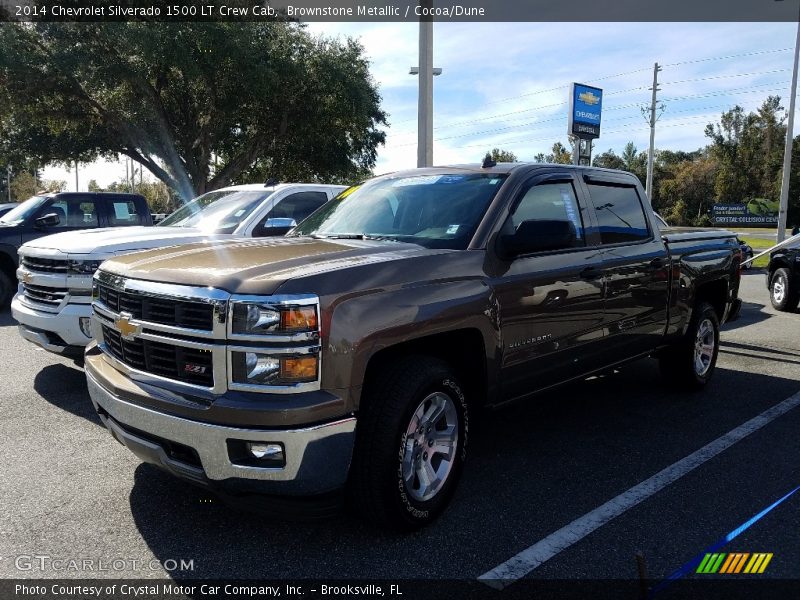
[(65, 388), (6, 320), (533, 467)]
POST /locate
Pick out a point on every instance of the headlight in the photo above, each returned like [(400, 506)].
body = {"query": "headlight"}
[(83, 267), (264, 318), (256, 368)]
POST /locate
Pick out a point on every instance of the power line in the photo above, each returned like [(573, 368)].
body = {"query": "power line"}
[(729, 56), (606, 77)]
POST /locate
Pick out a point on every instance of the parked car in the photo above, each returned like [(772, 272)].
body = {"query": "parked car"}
[(245, 365), (64, 211), (747, 253), (7, 207), (783, 276), (53, 304)]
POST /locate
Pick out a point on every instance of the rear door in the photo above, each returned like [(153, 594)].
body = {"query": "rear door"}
[(550, 303), (635, 264)]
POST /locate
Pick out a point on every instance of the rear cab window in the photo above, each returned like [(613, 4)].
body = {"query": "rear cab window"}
[(123, 212), (619, 212)]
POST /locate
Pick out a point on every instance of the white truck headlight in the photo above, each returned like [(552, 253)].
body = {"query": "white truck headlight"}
[(83, 267)]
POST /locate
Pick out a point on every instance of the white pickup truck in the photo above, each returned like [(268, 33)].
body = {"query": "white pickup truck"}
[(53, 301)]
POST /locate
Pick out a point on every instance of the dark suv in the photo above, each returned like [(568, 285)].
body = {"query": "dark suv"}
[(65, 211)]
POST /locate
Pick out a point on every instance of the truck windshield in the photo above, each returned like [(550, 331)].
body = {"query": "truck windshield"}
[(436, 211), (217, 212), (23, 211)]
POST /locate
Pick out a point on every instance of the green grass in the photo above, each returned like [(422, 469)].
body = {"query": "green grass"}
[(758, 245)]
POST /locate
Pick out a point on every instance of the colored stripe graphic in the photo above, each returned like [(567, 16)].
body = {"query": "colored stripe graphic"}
[(705, 558)]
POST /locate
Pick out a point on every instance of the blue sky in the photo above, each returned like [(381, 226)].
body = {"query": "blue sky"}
[(506, 84)]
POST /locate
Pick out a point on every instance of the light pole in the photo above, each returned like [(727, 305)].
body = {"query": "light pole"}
[(425, 71), (787, 149)]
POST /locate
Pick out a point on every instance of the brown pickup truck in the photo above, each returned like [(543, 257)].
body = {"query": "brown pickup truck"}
[(354, 353)]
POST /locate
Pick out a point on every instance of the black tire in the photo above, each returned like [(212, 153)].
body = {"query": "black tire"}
[(784, 293), (8, 287), (378, 489), (684, 365)]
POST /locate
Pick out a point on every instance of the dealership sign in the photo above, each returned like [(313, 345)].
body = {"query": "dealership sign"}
[(744, 215), (585, 108)]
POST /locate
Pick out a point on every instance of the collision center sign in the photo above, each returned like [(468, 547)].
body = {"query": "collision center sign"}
[(585, 108)]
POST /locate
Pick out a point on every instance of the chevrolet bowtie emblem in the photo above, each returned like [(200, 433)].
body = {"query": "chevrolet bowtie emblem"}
[(26, 277), (125, 327), (589, 98)]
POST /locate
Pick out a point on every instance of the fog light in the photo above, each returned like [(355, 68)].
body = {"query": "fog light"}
[(85, 323), (266, 451)]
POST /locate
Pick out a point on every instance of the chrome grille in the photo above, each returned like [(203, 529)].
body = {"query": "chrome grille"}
[(44, 295), (44, 265), (190, 365), (167, 311)]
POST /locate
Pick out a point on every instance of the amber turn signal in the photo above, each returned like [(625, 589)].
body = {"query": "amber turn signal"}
[(299, 369), (299, 318)]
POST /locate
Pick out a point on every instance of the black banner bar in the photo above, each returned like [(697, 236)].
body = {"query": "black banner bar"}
[(402, 10)]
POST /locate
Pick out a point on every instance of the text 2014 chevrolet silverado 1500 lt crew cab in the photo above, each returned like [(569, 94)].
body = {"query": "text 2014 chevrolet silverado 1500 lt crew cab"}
[(53, 304), (49, 214), (353, 353)]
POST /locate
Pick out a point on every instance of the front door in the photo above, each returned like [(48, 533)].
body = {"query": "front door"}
[(550, 303)]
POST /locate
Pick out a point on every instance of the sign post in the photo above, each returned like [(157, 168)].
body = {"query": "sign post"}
[(585, 111)]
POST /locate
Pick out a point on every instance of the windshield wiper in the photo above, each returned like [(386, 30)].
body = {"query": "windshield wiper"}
[(354, 236), (338, 236)]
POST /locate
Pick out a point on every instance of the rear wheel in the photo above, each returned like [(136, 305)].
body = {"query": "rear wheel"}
[(690, 363), (783, 293), (410, 444)]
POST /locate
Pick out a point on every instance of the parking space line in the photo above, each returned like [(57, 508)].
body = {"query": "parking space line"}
[(529, 559)]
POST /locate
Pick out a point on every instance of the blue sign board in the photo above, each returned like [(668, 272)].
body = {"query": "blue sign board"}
[(585, 109)]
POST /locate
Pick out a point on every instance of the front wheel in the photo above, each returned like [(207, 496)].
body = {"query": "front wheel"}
[(783, 292), (690, 363), (411, 442)]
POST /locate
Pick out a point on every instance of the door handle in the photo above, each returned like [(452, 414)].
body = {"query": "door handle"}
[(590, 273)]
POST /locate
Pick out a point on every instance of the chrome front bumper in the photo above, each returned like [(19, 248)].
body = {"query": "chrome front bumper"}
[(317, 458)]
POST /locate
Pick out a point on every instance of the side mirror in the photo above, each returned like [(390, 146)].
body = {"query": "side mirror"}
[(537, 236), (48, 220), (275, 226)]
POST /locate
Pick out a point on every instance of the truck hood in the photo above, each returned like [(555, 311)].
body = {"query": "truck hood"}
[(255, 266), (116, 240)]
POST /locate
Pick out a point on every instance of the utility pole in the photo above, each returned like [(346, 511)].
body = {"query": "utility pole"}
[(76, 176), (425, 100), (653, 119), (787, 149), (8, 180)]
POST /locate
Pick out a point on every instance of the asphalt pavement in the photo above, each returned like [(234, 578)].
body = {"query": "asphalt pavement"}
[(70, 491)]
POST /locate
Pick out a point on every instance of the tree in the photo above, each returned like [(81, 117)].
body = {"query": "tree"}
[(499, 155), (24, 185), (749, 151), (559, 155), (160, 198), (200, 105), (608, 160)]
